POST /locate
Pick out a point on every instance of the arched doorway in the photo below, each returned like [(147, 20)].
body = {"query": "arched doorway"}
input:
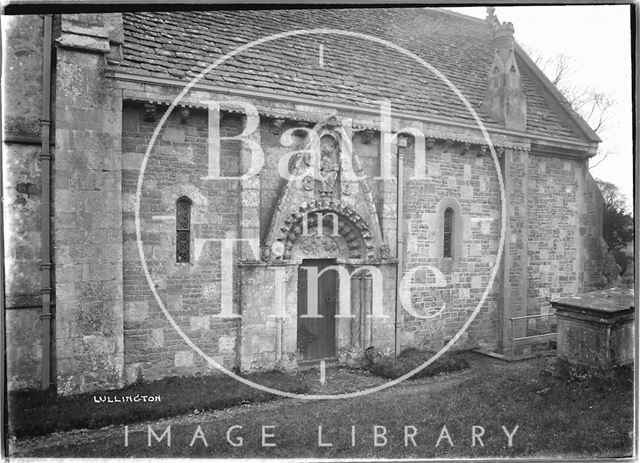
[(321, 240)]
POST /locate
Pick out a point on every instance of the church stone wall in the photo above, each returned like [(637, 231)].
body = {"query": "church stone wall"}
[(554, 201), (445, 291), (565, 245), (191, 292), (442, 301), (269, 333)]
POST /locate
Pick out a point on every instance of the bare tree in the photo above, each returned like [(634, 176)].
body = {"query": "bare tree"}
[(556, 68), (611, 194), (592, 105)]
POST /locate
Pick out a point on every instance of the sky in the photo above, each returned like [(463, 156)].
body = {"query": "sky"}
[(597, 40)]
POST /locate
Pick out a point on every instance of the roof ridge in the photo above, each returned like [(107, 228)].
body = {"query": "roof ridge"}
[(460, 15)]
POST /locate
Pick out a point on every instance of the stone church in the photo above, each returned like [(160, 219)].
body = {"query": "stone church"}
[(186, 191)]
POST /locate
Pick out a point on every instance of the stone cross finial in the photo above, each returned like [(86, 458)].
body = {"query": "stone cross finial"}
[(491, 18)]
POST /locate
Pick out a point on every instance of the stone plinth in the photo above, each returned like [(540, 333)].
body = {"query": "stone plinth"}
[(596, 328)]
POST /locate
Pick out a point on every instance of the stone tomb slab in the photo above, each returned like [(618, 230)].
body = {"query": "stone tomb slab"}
[(596, 328)]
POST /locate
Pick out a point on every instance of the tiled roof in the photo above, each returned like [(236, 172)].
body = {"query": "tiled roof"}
[(180, 44)]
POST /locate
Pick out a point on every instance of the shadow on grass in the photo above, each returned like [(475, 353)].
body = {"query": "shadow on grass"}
[(35, 413), (408, 360)]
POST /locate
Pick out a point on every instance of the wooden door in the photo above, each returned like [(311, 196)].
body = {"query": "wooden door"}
[(317, 336)]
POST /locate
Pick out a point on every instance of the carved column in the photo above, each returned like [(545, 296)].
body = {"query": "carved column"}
[(367, 328), (357, 306)]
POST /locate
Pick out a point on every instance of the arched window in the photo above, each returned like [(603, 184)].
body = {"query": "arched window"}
[(447, 230), (183, 230)]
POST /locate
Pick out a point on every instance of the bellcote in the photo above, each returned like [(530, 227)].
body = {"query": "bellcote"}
[(504, 98)]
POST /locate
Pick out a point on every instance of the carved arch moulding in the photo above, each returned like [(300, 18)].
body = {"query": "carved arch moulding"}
[(328, 196)]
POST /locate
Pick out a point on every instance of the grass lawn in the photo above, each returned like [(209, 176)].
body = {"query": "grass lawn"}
[(33, 413), (557, 416)]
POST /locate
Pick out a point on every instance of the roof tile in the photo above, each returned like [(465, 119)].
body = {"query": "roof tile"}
[(355, 70)]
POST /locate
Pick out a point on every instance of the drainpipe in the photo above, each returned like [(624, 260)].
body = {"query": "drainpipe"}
[(45, 158), (3, 414), (402, 142)]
